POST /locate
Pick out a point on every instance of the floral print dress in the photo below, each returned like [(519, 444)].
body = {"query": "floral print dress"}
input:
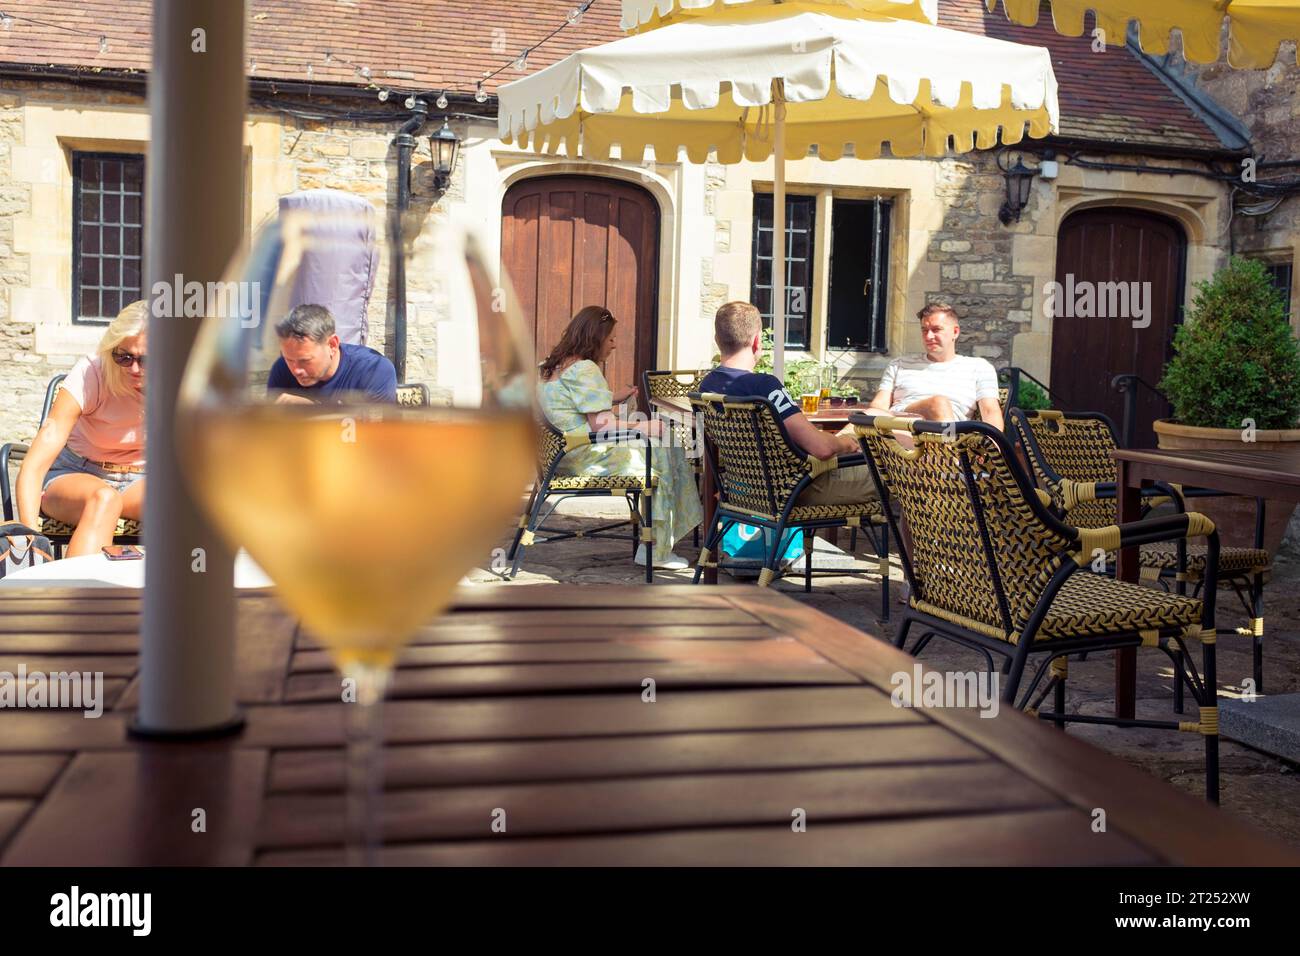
[(580, 389)]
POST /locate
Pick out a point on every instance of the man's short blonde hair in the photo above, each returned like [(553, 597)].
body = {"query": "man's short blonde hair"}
[(735, 325), (937, 308)]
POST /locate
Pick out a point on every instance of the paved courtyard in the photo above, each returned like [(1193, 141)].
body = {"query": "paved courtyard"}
[(1260, 787)]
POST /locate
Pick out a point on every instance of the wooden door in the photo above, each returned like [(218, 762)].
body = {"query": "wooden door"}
[(1090, 345), (573, 241)]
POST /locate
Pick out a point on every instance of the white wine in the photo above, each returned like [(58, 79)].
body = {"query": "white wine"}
[(365, 518)]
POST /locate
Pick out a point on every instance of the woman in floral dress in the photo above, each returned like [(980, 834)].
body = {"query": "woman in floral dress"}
[(575, 395)]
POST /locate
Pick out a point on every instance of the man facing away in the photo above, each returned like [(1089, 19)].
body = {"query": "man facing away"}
[(940, 385), (314, 367), (738, 330)]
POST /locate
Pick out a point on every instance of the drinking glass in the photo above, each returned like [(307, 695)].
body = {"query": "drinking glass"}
[(827, 381), (364, 512)]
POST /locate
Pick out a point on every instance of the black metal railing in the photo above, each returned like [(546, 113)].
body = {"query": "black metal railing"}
[(1127, 384)]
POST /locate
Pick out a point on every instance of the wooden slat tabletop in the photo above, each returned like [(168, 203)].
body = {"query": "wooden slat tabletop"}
[(529, 700)]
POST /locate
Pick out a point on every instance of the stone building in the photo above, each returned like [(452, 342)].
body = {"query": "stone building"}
[(1137, 187)]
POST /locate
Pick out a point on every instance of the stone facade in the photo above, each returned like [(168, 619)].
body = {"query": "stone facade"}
[(946, 239), (1268, 103)]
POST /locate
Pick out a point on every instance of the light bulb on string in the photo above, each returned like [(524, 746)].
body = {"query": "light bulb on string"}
[(410, 102), (252, 65), (383, 96), (480, 95), (103, 43), (574, 16), (6, 21), (364, 71), (311, 71), (442, 100), (521, 61)]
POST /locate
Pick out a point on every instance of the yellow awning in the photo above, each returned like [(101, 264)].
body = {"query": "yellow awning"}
[(1256, 28), (847, 79)]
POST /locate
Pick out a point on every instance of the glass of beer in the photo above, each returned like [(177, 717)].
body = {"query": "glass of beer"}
[(366, 513), (827, 380), (809, 401)]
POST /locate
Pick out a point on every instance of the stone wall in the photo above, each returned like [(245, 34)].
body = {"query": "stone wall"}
[(1268, 102)]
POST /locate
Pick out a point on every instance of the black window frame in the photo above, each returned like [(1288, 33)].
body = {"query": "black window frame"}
[(811, 260), (79, 157), (882, 224), (1275, 269)]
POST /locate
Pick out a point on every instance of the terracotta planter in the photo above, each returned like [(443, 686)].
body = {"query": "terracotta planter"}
[(1234, 517)]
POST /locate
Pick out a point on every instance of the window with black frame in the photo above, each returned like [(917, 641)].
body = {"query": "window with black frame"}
[(858, 298), (800, 215), (1280, 274), (108, 234)]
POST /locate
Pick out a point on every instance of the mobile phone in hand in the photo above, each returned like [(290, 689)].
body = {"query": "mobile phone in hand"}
[(122, 552)]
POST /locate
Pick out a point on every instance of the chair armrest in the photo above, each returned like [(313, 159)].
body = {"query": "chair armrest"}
[(9, 452), (1189, 524)]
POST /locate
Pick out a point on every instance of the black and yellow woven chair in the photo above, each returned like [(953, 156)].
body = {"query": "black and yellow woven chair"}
[(128, 531), (1069, 453), (553, 446), (413, 395), (678, 383), (760, 474), (992, 569)]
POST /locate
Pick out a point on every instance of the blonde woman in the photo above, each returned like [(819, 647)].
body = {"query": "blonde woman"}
[(86, 464)]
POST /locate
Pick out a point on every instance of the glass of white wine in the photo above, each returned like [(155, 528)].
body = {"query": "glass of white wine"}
[(366, 513)]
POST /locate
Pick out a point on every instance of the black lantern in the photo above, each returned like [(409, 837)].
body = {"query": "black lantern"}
[(1019, 177), (445, 145)]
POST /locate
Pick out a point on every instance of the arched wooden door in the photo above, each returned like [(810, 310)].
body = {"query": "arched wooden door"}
[(573, 241), (1094, 336)]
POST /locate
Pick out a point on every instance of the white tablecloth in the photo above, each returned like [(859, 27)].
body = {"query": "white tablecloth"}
[(96, 571)]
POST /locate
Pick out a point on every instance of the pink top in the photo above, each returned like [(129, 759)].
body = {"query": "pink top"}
[(111, 427)]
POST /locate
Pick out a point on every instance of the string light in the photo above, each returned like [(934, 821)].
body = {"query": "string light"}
[(479, 95), (6, 21), (103, 43), (442, 100), (383, 96), (311, 71), (410, 102), (521, 61)]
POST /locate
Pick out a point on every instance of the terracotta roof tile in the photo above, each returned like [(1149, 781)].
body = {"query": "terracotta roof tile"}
[(451, 44)]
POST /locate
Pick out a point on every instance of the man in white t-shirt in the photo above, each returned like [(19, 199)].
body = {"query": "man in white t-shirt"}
[(940, 385)]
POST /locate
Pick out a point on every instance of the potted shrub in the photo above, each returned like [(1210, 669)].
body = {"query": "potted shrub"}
[(1234, 382)]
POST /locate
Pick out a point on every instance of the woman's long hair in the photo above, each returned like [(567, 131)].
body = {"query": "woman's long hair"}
[(582, 339), (129, 322)]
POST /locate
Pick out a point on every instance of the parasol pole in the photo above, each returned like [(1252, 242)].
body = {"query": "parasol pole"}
[(778, 233)]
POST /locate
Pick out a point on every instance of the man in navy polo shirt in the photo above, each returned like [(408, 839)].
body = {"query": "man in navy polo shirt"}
[(738, 330), (314, 367)]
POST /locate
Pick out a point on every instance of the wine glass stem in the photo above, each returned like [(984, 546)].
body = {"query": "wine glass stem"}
[(365, 757)]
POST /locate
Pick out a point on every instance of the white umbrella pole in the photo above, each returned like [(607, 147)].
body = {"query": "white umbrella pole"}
[(195, 202), (778, 236)]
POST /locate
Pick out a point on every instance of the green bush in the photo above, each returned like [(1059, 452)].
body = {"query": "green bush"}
[(1235, 356), (794, 371), (1031, 397)]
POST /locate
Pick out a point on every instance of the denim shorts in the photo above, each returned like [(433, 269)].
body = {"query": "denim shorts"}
[(70, 463)]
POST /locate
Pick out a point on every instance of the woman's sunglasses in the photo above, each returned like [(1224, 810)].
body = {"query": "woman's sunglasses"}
[(126, 359)]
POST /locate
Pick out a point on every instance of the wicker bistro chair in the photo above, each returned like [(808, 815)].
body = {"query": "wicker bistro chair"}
[(414, 395), (553, 445), (1070, 457), (128, 531), (669, 383), (993, 569), (761, 473)]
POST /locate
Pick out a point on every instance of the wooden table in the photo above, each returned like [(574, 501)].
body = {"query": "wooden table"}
[(833, 418), (1261, 473), (530, 700)]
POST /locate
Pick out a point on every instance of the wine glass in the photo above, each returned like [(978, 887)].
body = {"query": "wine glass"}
[(364, 512)]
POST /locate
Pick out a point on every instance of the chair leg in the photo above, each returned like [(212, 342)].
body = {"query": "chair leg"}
[(1058, 702), (1180, 678), (712, 541), (523, 521), (538, 502), (1257, 636), (772, 556), (1211, 740), (882, 552), (649, 545), (900, 639), (807, 560)]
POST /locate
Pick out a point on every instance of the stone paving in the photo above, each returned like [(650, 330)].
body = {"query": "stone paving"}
[(1254, 785)]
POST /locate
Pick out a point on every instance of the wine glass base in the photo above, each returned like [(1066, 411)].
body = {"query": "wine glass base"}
[(232, 727)]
